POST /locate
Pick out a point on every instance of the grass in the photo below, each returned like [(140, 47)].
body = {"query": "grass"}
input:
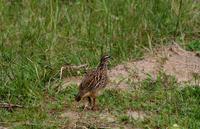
[(194, 46), (38, 37)]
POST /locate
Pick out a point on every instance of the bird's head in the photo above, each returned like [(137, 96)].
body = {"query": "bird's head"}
[(105, 59)]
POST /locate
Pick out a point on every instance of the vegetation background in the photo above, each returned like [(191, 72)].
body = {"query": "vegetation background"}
[(38, 36)]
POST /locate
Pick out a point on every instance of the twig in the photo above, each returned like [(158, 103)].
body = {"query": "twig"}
[(71, 67), (9, 106)]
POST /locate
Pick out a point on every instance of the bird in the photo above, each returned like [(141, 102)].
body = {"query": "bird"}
[(94, 81)]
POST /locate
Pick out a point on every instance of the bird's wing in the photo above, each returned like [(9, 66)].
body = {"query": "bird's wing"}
[(89, 81)]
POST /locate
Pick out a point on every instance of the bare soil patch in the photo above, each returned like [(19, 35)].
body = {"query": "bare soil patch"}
[(89, 119), (1, 127), (137, 115)]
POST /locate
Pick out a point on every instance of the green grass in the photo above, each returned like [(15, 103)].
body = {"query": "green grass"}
[(194, 46), (38, 37)]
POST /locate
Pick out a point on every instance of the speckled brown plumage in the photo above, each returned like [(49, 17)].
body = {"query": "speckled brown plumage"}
[(94, 81)]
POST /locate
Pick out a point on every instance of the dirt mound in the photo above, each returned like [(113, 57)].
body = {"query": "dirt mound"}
[(172, 60), (182, 64)]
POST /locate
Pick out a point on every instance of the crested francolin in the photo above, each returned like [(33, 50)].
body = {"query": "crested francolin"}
[(94, 81)]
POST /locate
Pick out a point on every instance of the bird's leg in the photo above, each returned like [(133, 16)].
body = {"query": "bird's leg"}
[(94, 106), (90, 101), (89, 104)]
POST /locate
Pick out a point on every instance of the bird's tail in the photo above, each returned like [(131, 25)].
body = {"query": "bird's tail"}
[(78, 98)]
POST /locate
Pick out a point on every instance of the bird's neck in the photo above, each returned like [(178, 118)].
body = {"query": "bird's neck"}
[(102, 66)]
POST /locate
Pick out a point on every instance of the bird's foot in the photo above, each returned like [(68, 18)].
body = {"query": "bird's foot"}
[(95, 108), (86, 107)]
